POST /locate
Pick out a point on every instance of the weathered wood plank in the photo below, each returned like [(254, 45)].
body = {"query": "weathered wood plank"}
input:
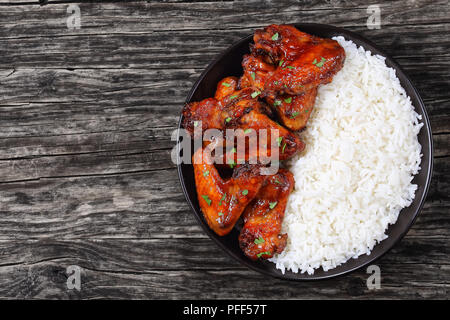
[(48, 280), (162, 49), (85, 123), (157, 16)]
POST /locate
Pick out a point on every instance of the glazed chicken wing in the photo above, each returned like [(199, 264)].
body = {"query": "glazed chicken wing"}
[(281, 43), (304, 61), (223, 201), (294, 111), (241, 110), (255, 72), (261, 235), (226, 87)]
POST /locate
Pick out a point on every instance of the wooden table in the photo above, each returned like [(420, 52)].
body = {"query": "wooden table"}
[(85, 172)]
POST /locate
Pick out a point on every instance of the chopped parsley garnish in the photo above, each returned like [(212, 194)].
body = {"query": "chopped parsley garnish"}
[(284, 147), (294, 114), (247, 131), (281, 63), (272, 204), (279, 141), (223, 198), (207, 199), (226, 84), (228, 119), (253, 75), (275, 82), (277, 103), (275, 37), (233, 150), (320, 63), (206, 173), (255, 94), (288, 100), (233, 97), (196, 123), (231, 163), (290, 67), (259, 240), (245, 192), (278, 182), (220, 214), (261, 253)]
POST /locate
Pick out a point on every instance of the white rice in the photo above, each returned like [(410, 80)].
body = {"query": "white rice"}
[(355, 173)]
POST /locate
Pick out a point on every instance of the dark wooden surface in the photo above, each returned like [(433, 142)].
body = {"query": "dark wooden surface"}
[(85, 171)]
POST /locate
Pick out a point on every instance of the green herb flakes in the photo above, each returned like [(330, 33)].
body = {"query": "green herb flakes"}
[(255, 94), (261, 253), (320, 63), (279, 139), (294, 114), (259, 240), (207, 199), (222, 199)]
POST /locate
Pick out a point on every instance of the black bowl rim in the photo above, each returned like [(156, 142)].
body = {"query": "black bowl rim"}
[(425, 120)]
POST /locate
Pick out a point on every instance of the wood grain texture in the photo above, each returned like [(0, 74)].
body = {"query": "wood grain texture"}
[(86, 118)]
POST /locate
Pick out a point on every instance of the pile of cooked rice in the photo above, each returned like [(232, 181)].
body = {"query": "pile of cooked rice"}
[(355, 174)]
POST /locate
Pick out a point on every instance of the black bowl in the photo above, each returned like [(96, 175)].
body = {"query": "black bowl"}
[(229, 64)]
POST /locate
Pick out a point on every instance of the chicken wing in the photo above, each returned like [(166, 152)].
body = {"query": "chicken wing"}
[(294, 111), (261, 235), (226, 87), (304, 61), (255, 72), (223, 201), (242, 110)]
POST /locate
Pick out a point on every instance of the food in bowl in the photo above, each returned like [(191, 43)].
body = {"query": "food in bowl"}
[(277, 92)]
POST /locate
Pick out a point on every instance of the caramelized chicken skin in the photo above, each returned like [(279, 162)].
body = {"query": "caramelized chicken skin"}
[(241, 111), (304, 61), (255, 72), (226, 87), (294, 111), (281, 42), (223, 201), (261, 235)]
